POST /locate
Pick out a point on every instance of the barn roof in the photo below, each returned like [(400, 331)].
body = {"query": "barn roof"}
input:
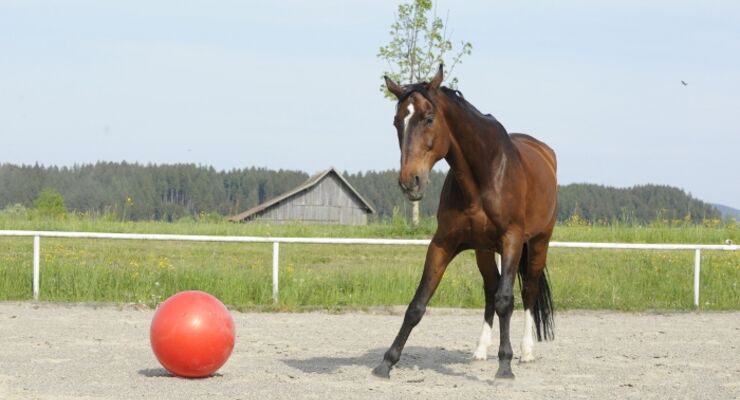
[(311, 182)]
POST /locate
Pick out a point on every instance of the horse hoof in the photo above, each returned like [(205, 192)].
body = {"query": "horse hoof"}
[(382, 371), (507, 374), (480, 355), (526, 359)]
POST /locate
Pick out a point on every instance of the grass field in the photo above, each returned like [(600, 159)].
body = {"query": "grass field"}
[(332, 276)]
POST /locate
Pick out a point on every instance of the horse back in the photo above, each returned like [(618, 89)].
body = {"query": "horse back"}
[(535, 151)]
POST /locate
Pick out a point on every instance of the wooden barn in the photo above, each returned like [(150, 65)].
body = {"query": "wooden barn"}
[(325, 198)]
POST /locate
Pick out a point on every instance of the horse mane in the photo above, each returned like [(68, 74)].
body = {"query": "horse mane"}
[(457, 97)]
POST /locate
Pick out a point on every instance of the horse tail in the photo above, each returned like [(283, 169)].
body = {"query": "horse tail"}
[(542, 310)]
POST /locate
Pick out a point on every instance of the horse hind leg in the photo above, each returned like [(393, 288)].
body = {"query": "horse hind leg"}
[(536, 296), (487, 266)]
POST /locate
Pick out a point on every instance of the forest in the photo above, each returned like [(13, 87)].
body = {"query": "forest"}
[(130, 191)]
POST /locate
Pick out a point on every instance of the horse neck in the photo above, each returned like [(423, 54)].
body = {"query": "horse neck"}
[(475, 142)]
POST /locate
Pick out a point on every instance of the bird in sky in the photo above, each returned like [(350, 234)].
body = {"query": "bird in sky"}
[(684, 83)]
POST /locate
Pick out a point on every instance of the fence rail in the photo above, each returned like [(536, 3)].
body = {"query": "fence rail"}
[(37, 235)]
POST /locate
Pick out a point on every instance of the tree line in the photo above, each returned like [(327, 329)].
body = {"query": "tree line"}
[(131, 191), (146, 192)]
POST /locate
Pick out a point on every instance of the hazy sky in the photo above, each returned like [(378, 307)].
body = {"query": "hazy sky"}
[(294, 84)]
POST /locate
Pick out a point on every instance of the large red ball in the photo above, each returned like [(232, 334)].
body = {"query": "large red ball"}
[(192, 334)]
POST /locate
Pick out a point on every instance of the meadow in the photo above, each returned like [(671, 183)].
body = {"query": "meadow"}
[(356, 276)]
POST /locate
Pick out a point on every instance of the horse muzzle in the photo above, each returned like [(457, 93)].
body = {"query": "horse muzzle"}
[(413, 187)]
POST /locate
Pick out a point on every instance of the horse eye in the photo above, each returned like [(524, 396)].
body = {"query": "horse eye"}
[(429, 119)]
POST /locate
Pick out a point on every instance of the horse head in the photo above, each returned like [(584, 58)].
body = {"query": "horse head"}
[(423, 135)]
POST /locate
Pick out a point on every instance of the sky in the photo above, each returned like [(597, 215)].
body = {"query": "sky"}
[(295, 84)]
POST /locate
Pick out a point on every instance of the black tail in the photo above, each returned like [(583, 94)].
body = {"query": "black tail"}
[(542, 311)]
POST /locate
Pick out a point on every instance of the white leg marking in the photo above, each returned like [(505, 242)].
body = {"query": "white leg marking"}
[(481, 353), (527, 339)]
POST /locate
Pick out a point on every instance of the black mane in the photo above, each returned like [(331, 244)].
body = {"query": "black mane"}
[(459, 99)]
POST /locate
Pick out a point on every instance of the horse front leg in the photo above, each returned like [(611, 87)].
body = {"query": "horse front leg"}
[(504, 300), (438, 257)]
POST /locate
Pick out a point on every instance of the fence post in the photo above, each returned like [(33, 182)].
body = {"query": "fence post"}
[(36, 263), (697, 273), (275, 268)]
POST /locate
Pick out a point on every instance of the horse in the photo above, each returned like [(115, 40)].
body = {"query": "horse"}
[(499, 196)]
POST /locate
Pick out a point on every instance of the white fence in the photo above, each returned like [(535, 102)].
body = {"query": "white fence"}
[(346, 241)]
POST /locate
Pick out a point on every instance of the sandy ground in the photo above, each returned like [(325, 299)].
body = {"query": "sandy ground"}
[(53, 351)]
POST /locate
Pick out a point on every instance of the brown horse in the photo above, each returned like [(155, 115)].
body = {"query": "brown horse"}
[(499, 197)]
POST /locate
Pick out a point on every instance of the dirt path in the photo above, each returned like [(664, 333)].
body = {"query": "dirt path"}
[(52, 351)]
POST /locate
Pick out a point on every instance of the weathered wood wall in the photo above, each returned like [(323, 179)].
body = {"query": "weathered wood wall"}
[(329, 202)]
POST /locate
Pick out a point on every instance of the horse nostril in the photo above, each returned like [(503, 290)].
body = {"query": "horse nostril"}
[(400, 183), (416, 181)]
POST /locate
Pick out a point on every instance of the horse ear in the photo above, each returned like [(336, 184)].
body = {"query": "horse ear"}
[(393, 87), (437, 80)]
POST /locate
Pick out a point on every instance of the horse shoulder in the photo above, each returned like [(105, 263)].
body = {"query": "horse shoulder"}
[(452, 197), (468, 224)]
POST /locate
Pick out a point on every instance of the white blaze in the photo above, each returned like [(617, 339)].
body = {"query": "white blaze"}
[(407, 118), (527, 339), (481, 353)]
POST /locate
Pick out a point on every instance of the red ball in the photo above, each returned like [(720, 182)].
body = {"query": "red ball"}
[(192, 334)]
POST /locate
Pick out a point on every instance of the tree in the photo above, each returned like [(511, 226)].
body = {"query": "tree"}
[(418, 45), (50, 204)]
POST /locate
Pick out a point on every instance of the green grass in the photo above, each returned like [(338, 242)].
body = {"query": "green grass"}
[(333, 276), (654, 233)]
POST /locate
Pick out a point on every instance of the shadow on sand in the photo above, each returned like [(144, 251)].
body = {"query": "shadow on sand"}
[(436, 359), (163, 373)]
